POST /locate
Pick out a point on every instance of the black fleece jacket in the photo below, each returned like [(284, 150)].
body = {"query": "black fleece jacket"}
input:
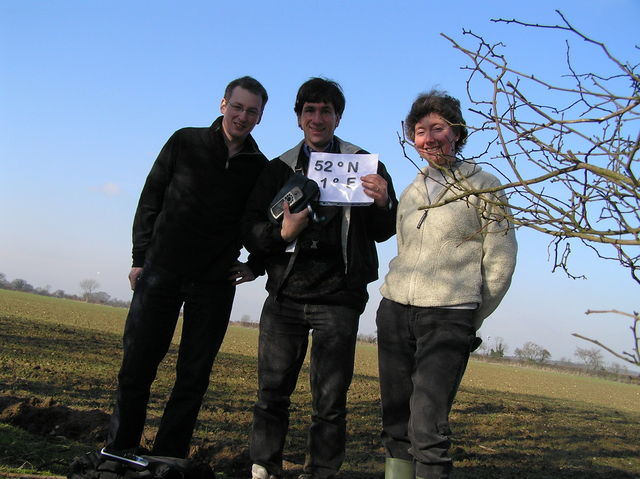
[(188, 216)]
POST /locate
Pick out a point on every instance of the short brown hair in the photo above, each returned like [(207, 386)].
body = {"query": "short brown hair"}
[(446, 106), (249, 84)]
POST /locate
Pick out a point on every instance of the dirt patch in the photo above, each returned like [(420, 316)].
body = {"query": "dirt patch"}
[(45, 417), (234, 460)]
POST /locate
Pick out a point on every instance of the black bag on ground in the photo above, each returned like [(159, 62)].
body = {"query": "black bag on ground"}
[(94, 465)]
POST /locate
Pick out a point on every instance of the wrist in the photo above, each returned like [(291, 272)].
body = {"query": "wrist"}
[(387, 205)]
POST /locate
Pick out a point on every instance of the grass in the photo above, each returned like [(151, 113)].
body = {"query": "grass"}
[(508, 421), (26, 453)]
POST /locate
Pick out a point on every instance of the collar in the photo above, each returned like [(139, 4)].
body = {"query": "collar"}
[(465, 168), (290, 157), (307, 149), (217, 134)]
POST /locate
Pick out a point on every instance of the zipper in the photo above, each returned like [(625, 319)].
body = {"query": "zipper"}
[(424, 217)]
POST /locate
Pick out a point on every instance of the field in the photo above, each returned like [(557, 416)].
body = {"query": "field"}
[(59, 359)]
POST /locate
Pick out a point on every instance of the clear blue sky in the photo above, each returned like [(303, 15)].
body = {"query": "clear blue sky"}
[(90, 91)]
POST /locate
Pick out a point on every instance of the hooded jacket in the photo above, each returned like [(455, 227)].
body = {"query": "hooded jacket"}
[(362, 226), (189, 212), (459, 253)]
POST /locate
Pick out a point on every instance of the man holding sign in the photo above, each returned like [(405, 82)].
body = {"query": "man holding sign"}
[(318, 269)]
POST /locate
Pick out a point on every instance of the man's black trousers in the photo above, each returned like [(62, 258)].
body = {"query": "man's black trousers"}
[(154, 311)]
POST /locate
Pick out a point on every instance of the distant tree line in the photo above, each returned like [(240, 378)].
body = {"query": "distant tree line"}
[(88, 287), (590, 361), (246, 322)]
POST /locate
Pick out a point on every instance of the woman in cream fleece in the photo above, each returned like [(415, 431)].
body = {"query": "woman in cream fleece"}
[(454, 266)]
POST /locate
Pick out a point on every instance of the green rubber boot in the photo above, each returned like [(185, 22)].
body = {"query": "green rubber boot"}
[(398, 469)]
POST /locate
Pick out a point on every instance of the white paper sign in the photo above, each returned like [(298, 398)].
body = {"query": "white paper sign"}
[(338, 176)]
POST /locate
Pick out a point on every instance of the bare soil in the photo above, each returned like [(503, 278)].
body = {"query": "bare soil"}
[(47, 418)]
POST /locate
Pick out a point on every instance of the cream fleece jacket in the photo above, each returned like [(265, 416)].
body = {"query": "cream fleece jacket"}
[(458, 253)]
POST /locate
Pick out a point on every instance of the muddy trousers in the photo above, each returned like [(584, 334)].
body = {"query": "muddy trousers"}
[(284, 336), (156, 304), (422, 355)]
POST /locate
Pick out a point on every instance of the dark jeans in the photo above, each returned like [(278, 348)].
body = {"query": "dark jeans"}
[(422, 355), (150, 325), (284, 336)]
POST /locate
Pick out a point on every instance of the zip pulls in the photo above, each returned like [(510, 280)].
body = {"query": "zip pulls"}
[(433, 188), (237, 153), (424, 217)]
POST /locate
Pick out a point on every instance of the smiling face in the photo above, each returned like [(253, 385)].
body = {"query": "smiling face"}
[(242, 111), (318, 121), (435, 140)]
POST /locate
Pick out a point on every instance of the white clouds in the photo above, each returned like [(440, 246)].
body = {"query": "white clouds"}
[(108, 189)]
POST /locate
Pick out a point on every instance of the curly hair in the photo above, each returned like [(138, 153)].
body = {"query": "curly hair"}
[(446, 106)]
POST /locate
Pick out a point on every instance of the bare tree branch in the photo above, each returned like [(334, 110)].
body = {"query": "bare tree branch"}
[(628, 357), (566, 149), (570, 165)]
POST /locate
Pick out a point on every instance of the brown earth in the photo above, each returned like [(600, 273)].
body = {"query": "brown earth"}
[(45, 417)]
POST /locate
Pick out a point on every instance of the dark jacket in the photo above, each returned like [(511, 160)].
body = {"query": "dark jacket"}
[(362, 226), (188, 216)]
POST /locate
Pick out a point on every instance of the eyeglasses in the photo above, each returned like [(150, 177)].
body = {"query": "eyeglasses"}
[(239, 108)]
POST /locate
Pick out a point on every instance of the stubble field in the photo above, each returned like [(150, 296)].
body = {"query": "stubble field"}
[(59, 360)]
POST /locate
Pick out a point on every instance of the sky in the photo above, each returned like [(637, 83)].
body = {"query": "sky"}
[(90, 91)]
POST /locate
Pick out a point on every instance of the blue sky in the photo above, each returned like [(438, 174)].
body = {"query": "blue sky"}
[(90, 91)]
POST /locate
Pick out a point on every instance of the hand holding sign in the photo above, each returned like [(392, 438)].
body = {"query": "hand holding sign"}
[(375, 186), (341, 178)]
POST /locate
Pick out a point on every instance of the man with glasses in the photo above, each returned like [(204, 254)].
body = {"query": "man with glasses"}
[(186, 243), (318, 271)]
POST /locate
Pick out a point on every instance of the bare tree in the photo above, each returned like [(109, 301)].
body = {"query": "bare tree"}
[(592, 358), (88, 287), (533, 352), (99, 297), (20, 284), (566, 149), (499, 348), (632, 356)]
